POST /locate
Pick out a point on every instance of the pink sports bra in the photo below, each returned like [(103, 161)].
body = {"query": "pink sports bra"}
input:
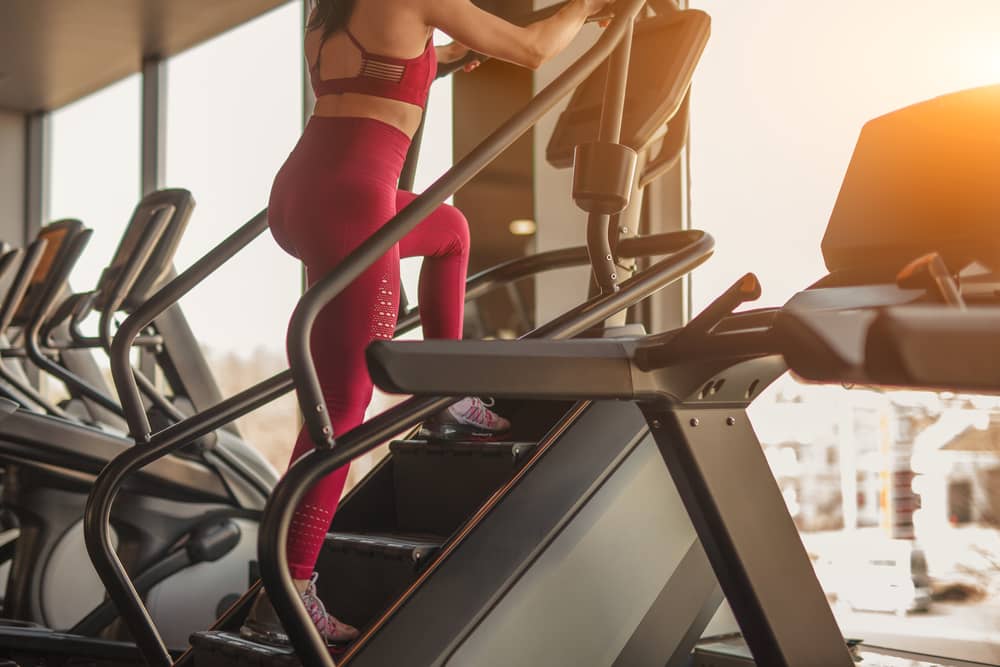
[(403, 79)]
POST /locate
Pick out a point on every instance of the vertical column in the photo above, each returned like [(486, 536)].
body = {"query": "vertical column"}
[(37, 170), (668, 209), (308, 99), (152, 150), (560, 223), (36, 173), (154, 124)]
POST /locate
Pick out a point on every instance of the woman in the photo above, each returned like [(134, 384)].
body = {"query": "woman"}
[(372, 63)]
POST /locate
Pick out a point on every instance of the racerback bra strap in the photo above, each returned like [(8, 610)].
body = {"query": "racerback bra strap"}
[(404, 79)]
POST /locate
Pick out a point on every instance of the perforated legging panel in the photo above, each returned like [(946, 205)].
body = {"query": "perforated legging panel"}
[(320, 213)]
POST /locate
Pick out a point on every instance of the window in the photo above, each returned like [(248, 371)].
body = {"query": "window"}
[(94, 177), (904, 518), (435, 157), (95, 170), (234, 111)]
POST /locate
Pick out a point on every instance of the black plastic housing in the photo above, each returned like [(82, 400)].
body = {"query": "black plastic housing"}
[(603, 175)]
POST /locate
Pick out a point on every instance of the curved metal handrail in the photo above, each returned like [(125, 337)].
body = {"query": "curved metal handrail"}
[(552, 260), (315, 465)]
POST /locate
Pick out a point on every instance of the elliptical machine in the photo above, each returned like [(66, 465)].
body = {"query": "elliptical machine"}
[(189, 523)]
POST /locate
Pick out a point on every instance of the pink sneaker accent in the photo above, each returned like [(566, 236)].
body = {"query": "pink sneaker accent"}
[(475, 412), (332, 630)]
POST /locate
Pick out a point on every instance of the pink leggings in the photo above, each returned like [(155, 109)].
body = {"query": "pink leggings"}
[(337, 187)]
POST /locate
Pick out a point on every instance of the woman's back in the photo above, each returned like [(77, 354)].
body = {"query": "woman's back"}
[(387, 28)]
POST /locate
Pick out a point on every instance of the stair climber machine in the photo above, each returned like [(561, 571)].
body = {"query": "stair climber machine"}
[(390, 549), (188, 525)]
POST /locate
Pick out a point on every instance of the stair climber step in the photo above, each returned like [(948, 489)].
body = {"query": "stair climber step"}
[(361, 575), (226, 649), (440, 485)]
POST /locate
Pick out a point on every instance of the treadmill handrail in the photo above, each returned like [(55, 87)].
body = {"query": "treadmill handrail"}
[(889, 346)]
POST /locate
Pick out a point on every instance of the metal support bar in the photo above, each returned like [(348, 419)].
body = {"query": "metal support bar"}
[(646, 283), (29, 394), (612, 111), (36, 174), (154, 124), (742, 521), (308, 98)]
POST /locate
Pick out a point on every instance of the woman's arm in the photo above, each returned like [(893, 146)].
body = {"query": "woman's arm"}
[(528, 46)]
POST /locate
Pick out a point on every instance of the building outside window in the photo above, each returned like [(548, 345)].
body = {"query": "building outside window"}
[(233, 113), (896, 493)]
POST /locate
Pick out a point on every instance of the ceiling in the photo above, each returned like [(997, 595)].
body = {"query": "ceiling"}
[(53, 52)]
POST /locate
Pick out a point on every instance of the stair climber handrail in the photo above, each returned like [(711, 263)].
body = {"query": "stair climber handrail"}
[(315, 465), (513, 270)]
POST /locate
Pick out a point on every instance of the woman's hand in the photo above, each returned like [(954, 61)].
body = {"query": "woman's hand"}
[(456, 51)]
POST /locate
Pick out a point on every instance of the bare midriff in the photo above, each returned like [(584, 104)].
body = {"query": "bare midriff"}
[(401, 115)]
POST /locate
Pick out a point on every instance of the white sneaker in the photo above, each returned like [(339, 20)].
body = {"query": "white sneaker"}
[(470, 417), (262, 624)]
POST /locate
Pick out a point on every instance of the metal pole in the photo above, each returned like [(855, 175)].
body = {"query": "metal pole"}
[(612, 112), (154, 124), (37, 170)]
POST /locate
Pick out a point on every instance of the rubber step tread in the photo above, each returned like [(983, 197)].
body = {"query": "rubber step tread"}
[(220, 649), (517, 449), (392, 546)]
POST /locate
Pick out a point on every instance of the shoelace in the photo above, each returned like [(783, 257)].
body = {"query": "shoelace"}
[(478, 411), (316, 608)]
